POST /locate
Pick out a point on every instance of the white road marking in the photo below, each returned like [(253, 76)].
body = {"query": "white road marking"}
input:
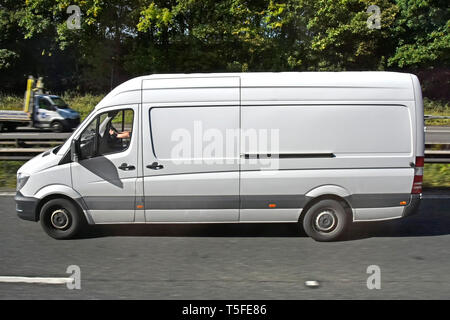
[(312, 284), (35, 280), (7, 194)]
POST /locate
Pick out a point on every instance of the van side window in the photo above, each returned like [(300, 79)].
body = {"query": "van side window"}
[(110, 132), (201, 133), (45, 104)]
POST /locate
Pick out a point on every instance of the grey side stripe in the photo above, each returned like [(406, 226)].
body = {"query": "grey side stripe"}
[(378, 200), (281, 201), (224, 202), (110, 203), (233, 201)]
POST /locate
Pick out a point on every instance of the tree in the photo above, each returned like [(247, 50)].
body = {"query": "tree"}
[(119, 39), (423, 34)]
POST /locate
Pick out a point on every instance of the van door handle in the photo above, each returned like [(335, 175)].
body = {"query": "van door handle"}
[(126, 167), (155, 166)]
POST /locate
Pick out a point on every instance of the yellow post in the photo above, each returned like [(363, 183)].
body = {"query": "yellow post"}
[(30, 82)]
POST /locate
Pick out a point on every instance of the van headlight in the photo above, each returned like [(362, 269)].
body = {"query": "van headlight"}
[(21, 180)]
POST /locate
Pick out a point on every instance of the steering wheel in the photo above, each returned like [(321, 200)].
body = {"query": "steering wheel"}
[(112, 139), (113, 129)]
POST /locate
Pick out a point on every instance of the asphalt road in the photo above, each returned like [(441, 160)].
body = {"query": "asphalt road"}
[(232, 261), (433, 135)]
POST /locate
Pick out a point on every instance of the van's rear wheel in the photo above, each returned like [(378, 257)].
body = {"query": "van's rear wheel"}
[(326, 220), (61, 219)]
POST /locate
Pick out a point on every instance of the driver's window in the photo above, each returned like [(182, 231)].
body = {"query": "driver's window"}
[(88, 140), (110, 132), (45, 104)]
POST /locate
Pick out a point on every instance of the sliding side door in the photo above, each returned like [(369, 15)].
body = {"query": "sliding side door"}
[(191, 172)]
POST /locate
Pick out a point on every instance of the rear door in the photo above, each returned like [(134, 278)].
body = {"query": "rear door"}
[(191, 173)]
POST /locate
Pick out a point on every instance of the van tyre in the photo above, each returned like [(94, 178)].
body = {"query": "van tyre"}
[(326, 220), (61, 219), (57, 126)]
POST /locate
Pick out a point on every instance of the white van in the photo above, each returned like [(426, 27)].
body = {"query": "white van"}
[(320, 148)]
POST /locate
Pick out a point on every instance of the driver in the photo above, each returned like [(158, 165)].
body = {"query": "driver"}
[(112, 139)]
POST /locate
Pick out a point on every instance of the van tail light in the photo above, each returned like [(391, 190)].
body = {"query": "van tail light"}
[(419, 162), (418, 176)]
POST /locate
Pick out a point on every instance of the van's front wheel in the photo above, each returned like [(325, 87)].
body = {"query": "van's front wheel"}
[(326, 220), (61, 219), (57, 126)]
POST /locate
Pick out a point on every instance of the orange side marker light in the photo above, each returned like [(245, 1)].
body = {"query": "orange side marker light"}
[(272, 205)]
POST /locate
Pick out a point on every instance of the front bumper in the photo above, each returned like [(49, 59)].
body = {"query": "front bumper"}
[(413, 206), (26, 207)]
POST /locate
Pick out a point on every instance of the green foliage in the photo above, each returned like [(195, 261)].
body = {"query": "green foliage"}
[(8, 102), (423, 30), (120, 39), (155, 16), (340, 38), (7, 58), (8, 170), (436, 108), (84, 104), (436, 175)]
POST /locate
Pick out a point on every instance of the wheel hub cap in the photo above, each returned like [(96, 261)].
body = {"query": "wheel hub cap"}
[(59, 219), (325, 221)]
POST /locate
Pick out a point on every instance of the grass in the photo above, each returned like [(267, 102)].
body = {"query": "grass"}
[(436, 175), (436, 108), (11, 102), (8, 170)]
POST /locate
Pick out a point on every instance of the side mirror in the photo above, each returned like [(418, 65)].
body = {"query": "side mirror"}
[(75, 150)]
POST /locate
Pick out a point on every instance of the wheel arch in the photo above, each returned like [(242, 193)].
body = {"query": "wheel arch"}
[(60, 191), (332, 192)]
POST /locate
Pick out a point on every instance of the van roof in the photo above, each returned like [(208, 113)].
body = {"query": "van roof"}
[(129, 92)]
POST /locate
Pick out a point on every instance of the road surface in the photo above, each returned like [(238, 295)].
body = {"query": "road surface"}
[(232, 261)]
